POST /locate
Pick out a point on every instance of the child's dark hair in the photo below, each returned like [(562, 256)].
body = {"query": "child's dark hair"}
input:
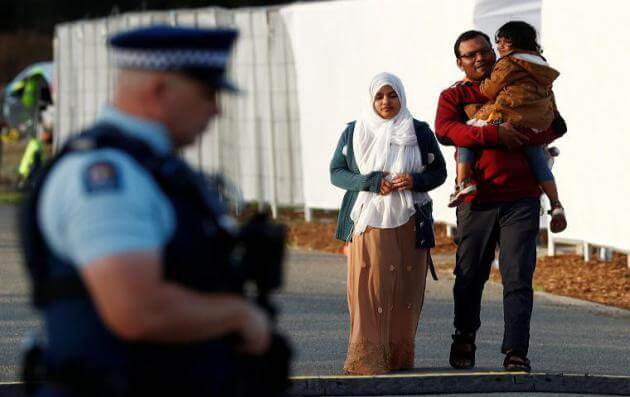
[(521, 34)]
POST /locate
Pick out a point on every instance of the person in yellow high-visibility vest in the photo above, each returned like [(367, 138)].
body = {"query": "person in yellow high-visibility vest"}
[(32, 160), (31, 95)]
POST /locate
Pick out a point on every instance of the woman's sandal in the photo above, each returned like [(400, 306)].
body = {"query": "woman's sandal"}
[(516, 361), (558, 220), (463, 351)]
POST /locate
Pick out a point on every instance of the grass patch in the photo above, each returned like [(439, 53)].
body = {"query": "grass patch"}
[(11, 198), (539, 287)]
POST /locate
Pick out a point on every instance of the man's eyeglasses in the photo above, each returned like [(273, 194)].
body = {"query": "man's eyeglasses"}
[(484, 52)]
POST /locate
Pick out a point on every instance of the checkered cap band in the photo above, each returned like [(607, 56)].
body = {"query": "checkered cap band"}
[(165, 59)]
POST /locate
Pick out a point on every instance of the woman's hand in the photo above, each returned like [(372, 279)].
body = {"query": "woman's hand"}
[(386, 186), (402, 182)]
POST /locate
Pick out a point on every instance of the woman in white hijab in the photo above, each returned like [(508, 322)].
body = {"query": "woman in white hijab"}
[(387, 162)]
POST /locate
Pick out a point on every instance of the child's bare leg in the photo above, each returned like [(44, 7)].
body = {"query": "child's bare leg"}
[(464, 188), (558, 220), (538, 164), (465, 160), (464, 171)]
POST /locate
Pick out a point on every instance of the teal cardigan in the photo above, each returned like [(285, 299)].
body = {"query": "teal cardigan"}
[(344, 173)]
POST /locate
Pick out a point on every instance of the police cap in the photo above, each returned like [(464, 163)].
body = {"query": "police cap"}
[(202, 54)]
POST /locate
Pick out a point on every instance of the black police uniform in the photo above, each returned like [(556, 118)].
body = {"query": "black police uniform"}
[(82, 352)]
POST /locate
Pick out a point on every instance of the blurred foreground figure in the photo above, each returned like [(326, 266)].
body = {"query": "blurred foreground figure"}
[(132, 255)]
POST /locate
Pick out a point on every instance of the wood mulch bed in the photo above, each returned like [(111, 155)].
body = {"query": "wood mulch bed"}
[(597, 281), (567, 275)]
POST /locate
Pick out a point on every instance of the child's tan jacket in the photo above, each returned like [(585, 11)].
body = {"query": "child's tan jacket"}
[(519, 92)]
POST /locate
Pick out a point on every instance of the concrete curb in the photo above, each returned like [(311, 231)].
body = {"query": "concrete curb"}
[(480, 382), (437, 383), (12, 389)]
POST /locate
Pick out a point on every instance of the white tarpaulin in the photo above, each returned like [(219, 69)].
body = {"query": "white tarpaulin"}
[(339, 46), (489, 15), (277, 140), (590, 45)]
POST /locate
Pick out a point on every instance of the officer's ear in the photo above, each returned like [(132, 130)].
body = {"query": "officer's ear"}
[(157, 86), (153, 95)]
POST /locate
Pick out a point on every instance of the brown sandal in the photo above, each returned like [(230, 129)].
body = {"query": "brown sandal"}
[(462, 351), (516, 361)]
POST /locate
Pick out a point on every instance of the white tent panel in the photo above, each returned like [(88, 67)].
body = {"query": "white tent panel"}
[(288, 169), (261, 92), (101, 69), (589, 44), (306, 68), (63, 73), (186, 17), (90, 73), (139, 19), (247, 139), (491, 14), (78, 76), (339, 46)]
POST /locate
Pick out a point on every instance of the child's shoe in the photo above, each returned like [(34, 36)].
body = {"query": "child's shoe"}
[(553, 151), (558, 220), (464, 189)]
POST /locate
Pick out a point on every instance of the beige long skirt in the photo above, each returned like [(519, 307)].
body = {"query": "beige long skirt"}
[(386, 281)]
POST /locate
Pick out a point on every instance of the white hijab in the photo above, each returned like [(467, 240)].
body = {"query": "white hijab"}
[(389, 146)]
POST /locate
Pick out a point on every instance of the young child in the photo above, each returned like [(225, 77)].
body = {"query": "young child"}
[(519, 92)]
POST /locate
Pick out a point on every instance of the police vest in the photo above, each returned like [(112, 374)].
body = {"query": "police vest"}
[(82, 352)]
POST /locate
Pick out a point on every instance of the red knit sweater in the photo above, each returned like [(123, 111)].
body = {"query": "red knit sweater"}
[(501, 175)]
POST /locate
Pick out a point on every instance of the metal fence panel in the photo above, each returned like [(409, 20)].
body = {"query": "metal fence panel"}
[(255, 142)]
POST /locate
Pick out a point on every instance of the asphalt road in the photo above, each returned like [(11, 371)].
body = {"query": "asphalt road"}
[(567, 337), (16, 317)]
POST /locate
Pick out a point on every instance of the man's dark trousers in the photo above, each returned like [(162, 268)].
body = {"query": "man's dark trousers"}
[(513, 226)]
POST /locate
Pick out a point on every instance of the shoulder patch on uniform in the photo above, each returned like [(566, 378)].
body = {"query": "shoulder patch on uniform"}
[(101, 176)]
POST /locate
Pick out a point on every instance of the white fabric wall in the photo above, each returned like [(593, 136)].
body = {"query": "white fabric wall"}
[(339, 46), (305, 70), (590, 45), (489, 15)]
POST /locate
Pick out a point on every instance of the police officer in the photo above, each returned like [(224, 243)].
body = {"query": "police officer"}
[(117, 214)]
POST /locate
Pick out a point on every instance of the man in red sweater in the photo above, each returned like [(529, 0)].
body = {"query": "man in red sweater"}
[(505, 210)]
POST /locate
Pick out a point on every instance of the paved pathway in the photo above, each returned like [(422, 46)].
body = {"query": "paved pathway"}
[(568, 336)]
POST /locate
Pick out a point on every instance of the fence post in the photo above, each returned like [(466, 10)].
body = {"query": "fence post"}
[(587, 251), (551, 244), (272, 125), (308, 215), (450, 231), (605, 254)]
